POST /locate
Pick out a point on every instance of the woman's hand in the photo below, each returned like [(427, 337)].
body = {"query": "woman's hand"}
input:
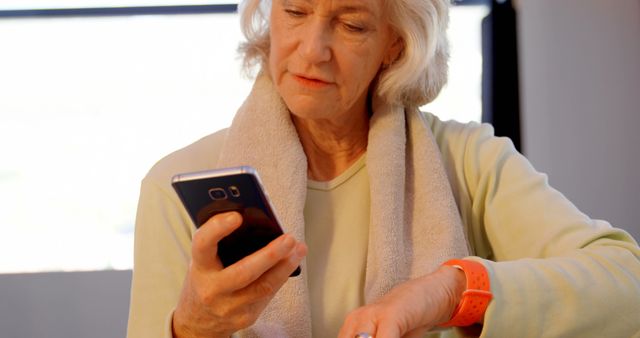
[(217, 301), (411, 308)]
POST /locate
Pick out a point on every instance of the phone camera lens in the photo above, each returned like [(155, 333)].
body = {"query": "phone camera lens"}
[(217, 194), (235, 192)]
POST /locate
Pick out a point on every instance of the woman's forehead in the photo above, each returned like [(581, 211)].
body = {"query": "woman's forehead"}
[(366, 6)]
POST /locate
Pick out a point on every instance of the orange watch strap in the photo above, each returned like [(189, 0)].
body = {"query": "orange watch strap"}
[(476, 298)]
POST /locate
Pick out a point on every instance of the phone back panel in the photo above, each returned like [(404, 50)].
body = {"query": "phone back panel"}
[(239, 191)]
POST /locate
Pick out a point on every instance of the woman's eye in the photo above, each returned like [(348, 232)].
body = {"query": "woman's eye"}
[(294, 13), (354, 28)]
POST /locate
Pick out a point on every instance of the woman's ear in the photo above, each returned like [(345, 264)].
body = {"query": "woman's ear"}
[(395, 50)]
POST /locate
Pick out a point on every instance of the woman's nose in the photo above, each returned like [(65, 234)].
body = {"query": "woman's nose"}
[(315, 44)]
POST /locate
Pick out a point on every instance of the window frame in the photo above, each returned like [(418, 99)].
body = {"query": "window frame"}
[(230, 7), (120, 11)]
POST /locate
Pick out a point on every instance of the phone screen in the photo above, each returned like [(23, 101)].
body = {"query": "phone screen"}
[(205, 194)]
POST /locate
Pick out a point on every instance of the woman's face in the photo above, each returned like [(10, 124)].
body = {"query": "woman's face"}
[(325, 53)]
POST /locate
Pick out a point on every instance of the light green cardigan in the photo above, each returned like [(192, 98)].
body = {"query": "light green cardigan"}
[(554, 271)]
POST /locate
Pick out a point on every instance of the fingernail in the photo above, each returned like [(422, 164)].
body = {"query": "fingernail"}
[(298, 254)]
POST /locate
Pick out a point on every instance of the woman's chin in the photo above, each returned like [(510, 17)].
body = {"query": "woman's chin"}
[(310, 109)]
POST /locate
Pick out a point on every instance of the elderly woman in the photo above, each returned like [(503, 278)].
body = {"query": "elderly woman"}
[(384, 197)]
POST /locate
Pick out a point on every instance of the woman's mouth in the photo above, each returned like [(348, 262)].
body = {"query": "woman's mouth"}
[(310, 82)]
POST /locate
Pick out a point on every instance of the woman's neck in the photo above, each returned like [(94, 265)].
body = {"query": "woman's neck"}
[(332, 146)]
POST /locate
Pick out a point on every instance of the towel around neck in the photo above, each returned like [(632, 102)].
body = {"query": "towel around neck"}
[(415, 224)]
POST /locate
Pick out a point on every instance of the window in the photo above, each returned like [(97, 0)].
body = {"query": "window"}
[(89, 104)]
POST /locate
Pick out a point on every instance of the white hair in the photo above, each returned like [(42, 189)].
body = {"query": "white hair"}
[(413, 79)]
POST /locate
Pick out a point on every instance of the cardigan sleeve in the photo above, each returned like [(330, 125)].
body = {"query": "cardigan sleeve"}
[(162, 252), (554, 272), (162, 241)]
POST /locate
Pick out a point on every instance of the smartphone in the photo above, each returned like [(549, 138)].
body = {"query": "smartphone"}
[(207, 193)]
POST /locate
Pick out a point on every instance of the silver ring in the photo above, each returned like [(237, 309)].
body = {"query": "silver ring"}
[(363, 335)]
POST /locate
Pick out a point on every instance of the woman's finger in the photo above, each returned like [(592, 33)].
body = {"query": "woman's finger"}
[(249, 269), (272, 280), (204, 249), (359, 321)]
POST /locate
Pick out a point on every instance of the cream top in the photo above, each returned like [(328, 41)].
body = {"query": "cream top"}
[(336, 232), (554, 271)]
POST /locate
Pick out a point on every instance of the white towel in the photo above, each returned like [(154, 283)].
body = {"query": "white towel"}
[(415, 225)]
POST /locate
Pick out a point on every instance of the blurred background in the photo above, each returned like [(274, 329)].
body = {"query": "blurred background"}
[(93, 93), (90, 102)]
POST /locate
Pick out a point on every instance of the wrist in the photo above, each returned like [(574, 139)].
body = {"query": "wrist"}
[(476, 295), (455, 284), (181, 329)]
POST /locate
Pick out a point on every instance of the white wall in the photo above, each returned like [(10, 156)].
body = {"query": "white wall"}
[(580, 73)]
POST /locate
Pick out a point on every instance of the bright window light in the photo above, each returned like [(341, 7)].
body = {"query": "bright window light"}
[(461, 99), (89, 104), (48, 4)]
